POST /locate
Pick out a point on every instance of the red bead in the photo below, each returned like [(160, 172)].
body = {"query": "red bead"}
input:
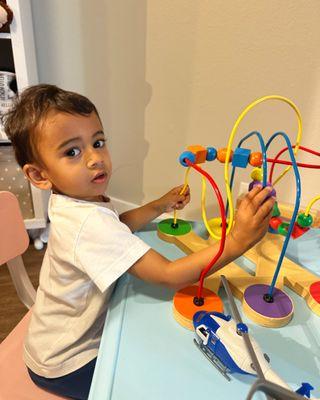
[(275, 222), (255, 159)]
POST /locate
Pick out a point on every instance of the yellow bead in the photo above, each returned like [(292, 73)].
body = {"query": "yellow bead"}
[(256, 174)]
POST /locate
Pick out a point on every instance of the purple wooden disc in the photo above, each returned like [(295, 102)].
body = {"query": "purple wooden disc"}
[(281, 307)]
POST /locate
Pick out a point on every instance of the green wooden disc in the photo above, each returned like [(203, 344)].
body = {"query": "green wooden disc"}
[(183, 227)]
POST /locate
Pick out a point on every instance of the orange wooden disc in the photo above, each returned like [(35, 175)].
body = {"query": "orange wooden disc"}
[(183, 302)]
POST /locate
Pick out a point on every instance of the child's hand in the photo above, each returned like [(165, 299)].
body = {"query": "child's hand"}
[(173, 200), (252, 218)]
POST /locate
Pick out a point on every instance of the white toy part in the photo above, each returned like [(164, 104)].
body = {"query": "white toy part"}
[(234, 343)]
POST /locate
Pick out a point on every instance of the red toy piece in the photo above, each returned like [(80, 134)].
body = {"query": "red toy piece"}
[(315, 291), (298, 231), (275, 222)]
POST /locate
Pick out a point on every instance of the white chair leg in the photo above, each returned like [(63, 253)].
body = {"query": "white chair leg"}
[(21, 280)]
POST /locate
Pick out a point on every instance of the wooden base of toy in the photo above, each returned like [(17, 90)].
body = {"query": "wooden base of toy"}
[(184, 307), (271, 315), (265, 256)]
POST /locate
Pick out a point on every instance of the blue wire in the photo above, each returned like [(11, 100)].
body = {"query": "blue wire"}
[(264, 161), (296, 207)]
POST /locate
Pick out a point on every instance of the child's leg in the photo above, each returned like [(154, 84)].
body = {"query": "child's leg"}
[(74, 386)]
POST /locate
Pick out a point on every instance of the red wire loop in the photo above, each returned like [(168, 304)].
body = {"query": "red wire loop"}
[(224, 224), (276, 161)]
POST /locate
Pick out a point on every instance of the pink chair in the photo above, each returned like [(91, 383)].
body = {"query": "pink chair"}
[(15, 383)]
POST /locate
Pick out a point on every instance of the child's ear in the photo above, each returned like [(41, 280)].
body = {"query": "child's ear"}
[(37, 176)]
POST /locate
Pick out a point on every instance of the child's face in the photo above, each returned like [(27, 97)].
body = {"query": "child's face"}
[(75, 156)]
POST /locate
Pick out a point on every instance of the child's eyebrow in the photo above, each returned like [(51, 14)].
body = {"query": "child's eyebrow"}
[(63, 144)]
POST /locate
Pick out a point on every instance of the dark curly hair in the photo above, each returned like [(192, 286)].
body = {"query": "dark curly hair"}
[(30, 110)]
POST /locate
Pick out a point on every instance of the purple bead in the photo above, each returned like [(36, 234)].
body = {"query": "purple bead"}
[(253, 184), (273, 193)]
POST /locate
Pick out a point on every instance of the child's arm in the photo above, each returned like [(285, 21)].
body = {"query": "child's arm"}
[(251, 224), (139, 217)]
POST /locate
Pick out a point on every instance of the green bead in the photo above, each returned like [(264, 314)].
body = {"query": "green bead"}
[(304, 220), (275, 211), (283, 228)]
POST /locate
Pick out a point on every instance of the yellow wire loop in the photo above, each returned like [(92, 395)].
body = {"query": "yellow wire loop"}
[(203, 210), (311, 203), (230, 142), (186, 176)]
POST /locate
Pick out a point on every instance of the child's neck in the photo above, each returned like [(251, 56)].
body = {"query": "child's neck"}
[(101, 198)]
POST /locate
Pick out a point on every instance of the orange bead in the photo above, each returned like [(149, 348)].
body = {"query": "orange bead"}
[(255, 159), (222, 153)]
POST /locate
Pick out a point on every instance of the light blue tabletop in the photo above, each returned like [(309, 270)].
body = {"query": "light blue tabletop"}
[(146, 355)]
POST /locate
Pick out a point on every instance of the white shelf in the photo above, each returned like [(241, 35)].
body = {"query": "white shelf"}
[(3, 136), (25, 66), (5, 35)]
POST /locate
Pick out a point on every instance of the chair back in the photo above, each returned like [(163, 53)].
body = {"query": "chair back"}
[(14, 239)]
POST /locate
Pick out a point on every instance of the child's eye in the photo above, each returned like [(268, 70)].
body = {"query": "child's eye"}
[(73, 152), (99, 143)]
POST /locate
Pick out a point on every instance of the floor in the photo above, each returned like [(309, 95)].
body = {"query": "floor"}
[(11, 308)]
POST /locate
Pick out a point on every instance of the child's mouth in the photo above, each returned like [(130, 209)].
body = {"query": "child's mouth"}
[(100, 178)]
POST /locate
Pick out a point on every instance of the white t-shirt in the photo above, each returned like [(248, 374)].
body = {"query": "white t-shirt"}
[(88, 250)]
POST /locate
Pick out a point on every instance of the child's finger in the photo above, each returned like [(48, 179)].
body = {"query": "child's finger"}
[(253, 192), (186, 189), (180, 198), (247, 199), (265, 209), (261, 197)]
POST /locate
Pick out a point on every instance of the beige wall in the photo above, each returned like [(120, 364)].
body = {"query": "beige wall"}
[(166, 74)]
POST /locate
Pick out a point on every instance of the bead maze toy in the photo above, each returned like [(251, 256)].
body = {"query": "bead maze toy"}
[(261, 293)]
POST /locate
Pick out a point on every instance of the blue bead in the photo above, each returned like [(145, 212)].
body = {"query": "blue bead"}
[(240, 157), (211, 154), (189, 155)]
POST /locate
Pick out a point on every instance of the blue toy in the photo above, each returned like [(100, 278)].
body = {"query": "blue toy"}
[(229, 347)]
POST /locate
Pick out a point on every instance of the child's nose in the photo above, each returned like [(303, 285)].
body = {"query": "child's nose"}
[(94, 159)]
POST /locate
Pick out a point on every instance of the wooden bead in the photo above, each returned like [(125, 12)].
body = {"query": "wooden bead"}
[(222, 153), (298, 231), (253, 184), (211, 154), (275, 222), (283, 228), (304, 220), (256, 174), (199, 151), (255, 159), (275, 210)]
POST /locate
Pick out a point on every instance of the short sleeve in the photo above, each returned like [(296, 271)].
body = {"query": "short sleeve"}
[(106, 248)]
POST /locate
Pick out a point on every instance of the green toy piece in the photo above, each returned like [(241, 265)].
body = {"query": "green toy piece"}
[(166, 226), (283, 228), (304, 220), (275, 211)]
